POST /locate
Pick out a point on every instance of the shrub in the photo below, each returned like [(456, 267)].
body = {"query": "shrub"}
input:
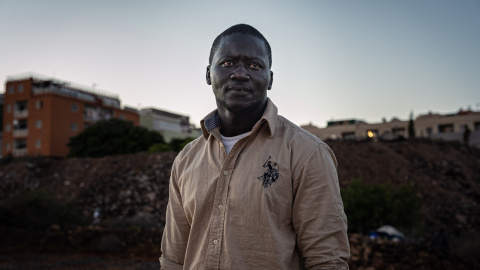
[(371, 206), (175, 145), (112, 137), (159, 147)]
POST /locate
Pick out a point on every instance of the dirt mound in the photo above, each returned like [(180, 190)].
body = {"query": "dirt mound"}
[(132, 190)]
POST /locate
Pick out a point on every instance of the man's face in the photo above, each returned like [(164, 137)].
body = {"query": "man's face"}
[(240, 73)]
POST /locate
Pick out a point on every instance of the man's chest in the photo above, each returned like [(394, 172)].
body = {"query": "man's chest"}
[(253, 184)]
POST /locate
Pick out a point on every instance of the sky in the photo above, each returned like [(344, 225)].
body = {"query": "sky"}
[(332, 60)]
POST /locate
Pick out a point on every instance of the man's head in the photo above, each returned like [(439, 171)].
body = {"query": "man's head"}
[(243, 29), (239, 70)]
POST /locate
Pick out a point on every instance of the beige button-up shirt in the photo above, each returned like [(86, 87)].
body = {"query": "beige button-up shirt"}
[(272, 203)]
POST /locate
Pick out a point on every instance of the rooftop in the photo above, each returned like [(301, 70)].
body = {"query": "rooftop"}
[(43, 78)]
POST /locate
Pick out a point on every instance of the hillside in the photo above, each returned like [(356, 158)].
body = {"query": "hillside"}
[(132, 190)]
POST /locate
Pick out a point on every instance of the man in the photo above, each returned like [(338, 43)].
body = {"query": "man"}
[(255, 191)]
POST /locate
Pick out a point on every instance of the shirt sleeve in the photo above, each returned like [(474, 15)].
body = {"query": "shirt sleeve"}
[(317, 215), (177, 228)]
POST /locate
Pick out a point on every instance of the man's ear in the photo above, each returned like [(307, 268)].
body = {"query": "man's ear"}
[(209, 82), (271, 81)]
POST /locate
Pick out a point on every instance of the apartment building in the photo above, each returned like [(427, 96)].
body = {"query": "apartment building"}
[(170, 125), (41, 114), (447, 127)]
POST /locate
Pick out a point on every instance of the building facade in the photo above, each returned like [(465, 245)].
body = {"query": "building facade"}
[(447, 127), (170, 125), (41, 114)]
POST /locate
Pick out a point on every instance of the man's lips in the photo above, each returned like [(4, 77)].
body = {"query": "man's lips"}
[(239, 88)]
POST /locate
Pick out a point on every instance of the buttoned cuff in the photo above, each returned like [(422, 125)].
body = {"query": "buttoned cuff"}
[(166, 264)]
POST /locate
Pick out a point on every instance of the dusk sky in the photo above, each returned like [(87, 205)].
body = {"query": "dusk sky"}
[(332, 60)]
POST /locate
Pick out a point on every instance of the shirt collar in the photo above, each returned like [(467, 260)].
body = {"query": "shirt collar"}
[(212, 120)]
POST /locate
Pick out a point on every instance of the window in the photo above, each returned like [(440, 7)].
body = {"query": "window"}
[(398, 131), (20, 144), (73, 126), (10, 89), (7, 146), (74, 108), (38, 104), (38, 143), (372, 133), (447, 128), (429, 131), (122, 116), (20, 88), (8, 108), (21, 108), (21, 124), (8, 127), (348, 136), (39, 124), (477, 126)]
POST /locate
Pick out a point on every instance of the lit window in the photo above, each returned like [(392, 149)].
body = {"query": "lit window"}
[(8, 127), (38, 143), (38, 104), (39, 124), (74, 108), (9, 108), (73, 126), (20, 88)]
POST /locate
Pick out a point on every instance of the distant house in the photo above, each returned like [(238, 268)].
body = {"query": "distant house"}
[(40, 114), (170, 125), (447, 127)]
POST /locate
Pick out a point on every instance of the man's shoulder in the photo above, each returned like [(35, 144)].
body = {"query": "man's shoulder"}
[(189, 148), (287, 128)]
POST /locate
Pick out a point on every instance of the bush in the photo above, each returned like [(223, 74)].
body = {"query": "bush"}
[(159, 147), (37, 210), (178, 144), (371, 206), (175, 145), (112, 137)]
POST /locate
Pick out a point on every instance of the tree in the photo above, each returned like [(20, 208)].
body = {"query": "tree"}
[(112, 137), (371, 206), (411, 127)]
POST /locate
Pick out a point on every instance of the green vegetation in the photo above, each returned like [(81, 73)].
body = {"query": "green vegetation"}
[(112, 137), (37, 210), (371, 206), (175, 145)]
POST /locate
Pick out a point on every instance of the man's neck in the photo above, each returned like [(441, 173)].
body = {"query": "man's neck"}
[(236, 123)]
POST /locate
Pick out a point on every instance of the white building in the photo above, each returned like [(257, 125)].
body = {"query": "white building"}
[(170, 125)]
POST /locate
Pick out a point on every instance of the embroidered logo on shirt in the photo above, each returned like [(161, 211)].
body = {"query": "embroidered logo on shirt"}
[(271, 174)]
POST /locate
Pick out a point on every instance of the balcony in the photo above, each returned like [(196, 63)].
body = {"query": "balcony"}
[(20, 114), (20, 152), (20, 133)]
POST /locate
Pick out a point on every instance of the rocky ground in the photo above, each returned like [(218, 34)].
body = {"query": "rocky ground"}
[(131, 193)]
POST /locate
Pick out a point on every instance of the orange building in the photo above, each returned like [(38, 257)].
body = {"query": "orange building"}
[(41, 114)]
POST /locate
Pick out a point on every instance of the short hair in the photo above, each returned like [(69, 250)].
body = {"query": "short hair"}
[(242, 29)]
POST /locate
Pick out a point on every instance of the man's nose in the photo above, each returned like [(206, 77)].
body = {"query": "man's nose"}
[(240, 73)]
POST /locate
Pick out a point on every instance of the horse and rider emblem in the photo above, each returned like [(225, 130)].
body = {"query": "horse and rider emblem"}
[(270, 175)]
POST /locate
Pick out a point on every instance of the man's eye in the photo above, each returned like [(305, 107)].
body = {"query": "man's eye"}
[(255, 66), (228, 63)]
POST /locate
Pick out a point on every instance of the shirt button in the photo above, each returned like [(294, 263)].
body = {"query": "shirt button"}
[(215, 241), (225, 172), (220, 206)]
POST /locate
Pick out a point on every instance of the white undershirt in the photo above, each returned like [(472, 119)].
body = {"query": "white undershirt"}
[(229, 142)]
